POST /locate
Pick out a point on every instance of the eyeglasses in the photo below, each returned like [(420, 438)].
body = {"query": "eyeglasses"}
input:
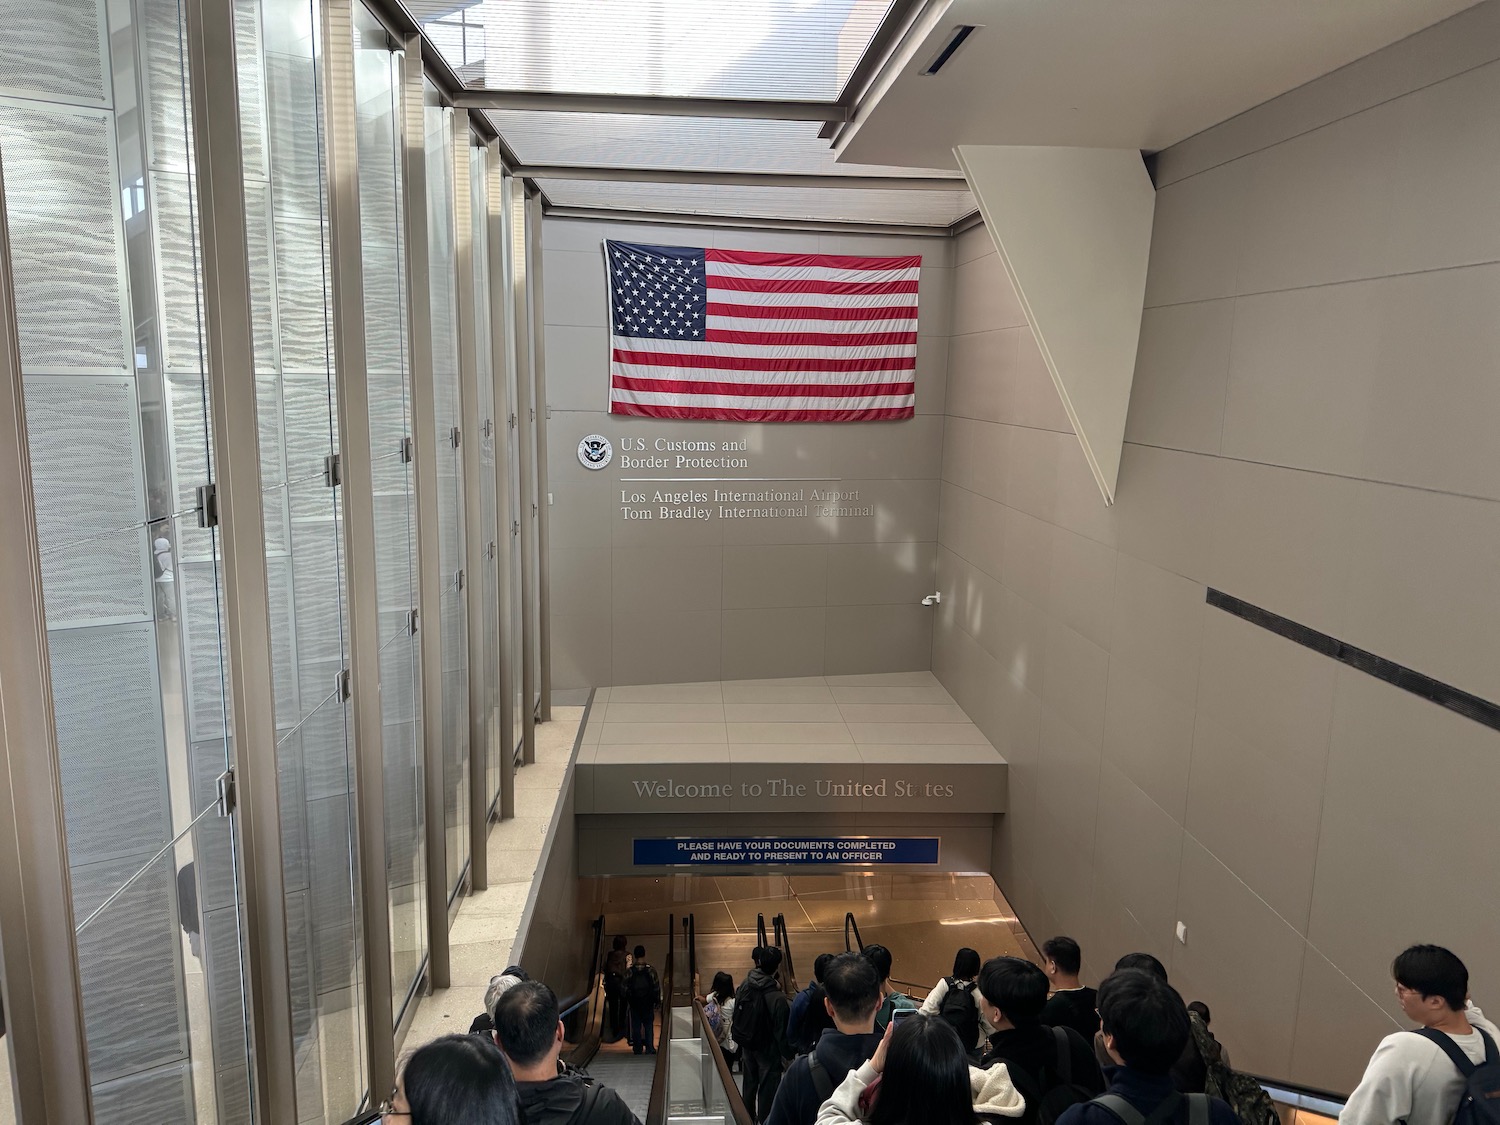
[(388, 1108)]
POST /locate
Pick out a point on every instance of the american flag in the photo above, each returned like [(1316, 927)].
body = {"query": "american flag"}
[(745, 336)]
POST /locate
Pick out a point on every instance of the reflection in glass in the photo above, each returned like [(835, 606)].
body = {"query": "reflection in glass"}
[(100, 201), (513, 244), (377, 87), (440, 248), (285, 188)]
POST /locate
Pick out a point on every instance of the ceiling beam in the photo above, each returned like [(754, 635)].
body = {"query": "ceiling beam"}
[(651, 106), (681, 219), (740, 179)]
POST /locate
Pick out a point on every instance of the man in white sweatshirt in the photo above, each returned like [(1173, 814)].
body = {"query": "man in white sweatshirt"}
[(1410, 1078)]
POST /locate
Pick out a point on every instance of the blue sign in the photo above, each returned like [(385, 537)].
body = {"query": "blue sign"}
[(744, 851)]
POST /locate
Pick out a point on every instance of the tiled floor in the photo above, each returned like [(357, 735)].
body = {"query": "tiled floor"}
[(484, 931), (895, 716)]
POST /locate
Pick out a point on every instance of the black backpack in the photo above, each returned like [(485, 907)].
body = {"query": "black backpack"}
[(959, 1011), (1046, 1103), (1480, 1101), (1166, 1111), (750, 1025), (640, 990)]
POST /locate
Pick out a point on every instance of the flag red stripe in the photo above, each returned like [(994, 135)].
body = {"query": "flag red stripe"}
[(789, 390), (744, 363), (719, 413), (818, 339), (828, 261), (814, 312), (776, 285)]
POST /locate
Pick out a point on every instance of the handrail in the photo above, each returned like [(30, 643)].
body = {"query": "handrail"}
[(783, 940), (912, 988), (587, 1044), (742, 1115), (690, 926), (850, 924), (760, 931), (656, 1108)]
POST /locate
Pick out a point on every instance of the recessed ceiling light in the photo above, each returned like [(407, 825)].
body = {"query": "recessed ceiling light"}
[(955, 41)]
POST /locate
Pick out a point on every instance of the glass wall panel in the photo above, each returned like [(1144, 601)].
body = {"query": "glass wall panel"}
[(286, 193), (377, 87), (513, 243), (451, 530), (488, 511), (533, 422), (94, 134)]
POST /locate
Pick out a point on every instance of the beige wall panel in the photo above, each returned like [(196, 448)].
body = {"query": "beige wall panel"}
[(1422, 584), (581, 582), (1157, 631), (776, 575), (1337, 1025), (1148, 737), (1240, 959), (666, 647), (1138, 853), (932, 374), (1181, 376), (581, 514), (761, 643), (983, 297), (1196, 240), (879, 573), (1075, 677), (882, 638), (1167, 506), (668, 579), (574, 354), (1082, 592), (1408, 811), (573, 288)]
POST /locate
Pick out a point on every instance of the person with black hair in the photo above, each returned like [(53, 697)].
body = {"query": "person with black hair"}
[(642, 993), (529, 1030), (809, 1018), (1190, 1071), (454, 1080), (893, 1000), (1073, 1004), (920, 1075), (851, 995), (759, 1028), (718, 1006), (1053, 1067), (1145, 1027), (616, 964), (954, 999), (1414, 1076)]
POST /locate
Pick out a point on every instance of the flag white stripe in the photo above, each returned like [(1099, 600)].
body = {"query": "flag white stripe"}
[(686, 349), (764, 402), (732, 323), (764, 378), (812, 273), (823, 300)]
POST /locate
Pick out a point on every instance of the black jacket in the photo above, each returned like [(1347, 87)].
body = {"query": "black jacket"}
[(560, 1101), (1033, 1050), (797, 1101), (778, 1008), (1145, 1092), (1076, 1008)]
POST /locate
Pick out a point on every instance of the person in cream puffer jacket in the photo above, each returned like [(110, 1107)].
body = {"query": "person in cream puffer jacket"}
[(921, 1073)]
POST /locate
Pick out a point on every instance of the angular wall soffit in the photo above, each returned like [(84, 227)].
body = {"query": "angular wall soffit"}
[(1073, 229)]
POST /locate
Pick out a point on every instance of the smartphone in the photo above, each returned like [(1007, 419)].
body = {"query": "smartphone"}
[(902, 1013)]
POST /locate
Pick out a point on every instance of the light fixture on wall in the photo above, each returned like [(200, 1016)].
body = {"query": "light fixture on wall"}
[(950, 46), (933, 599)]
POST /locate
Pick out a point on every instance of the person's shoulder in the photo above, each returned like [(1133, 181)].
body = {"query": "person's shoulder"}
[(1082, 1112), (609, 1105), (1221, 1112)]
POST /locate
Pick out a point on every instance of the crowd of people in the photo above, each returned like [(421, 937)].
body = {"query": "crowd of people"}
[(997, 1041)]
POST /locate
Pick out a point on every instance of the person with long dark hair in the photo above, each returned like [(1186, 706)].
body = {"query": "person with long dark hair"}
[(454, 1080), (920, 1075), (718, 1005)]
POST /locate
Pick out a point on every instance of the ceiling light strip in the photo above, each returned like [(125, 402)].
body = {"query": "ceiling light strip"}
[(742, 179)]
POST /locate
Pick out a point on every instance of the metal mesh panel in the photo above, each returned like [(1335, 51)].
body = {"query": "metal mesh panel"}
[(109, 740), (296, 156), (252, 87), (90, 499), (129, 962), (274, 501), (393, 564), (302, 313), (863, 205), (199, 592), (65, 236), (189, 434), (315, 580), (328, 821), (55, 48), (222, 966), (176, 235), (307, 417), (283, 661), (165, 64), (262, 291), (162, 1097), (385, 312), (213, 858)]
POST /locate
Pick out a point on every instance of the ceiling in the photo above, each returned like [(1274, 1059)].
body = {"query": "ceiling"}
[(1112, 73), (726, 108)]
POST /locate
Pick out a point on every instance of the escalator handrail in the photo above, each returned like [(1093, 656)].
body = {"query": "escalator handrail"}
[(656, 1108), (573, 1003), (737, 1108), (760, 931), (783, 939), (588, 1043), (850, 924)]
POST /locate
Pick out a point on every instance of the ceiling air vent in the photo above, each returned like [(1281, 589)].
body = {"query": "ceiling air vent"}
[(955, 41)]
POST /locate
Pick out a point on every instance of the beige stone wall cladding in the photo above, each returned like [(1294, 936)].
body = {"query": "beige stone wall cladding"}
[(1312, 429), (667, 601)]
